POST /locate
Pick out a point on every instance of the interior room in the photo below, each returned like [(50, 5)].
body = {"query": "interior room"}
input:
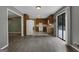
[(39, 29), (14, 24)]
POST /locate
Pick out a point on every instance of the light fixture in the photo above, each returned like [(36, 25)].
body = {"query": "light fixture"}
[(38, 7)]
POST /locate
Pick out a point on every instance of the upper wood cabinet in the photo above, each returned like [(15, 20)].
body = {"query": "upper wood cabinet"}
[(26, 17), (51, 19), (38, 20)]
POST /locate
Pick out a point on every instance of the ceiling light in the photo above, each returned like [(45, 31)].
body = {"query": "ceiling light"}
[(38, 7)]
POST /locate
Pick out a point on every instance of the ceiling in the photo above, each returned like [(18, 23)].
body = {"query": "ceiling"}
[(35, 13), (10, 14)]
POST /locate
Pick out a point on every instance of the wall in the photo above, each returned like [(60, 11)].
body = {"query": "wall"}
[(4, 24), (14, 25), (75, 24)]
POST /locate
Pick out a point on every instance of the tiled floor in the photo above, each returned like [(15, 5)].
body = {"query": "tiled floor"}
[(37, 44)]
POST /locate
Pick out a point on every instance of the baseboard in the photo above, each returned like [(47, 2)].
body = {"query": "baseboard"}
[(14, 32), (4, 47), (74, 47)]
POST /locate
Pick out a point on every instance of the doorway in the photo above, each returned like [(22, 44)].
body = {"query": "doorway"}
[(15, 24)]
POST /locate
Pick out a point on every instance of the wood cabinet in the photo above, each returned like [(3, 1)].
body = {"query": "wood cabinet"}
[(40, 20), (26, 17), (50, 26), (49, 22)]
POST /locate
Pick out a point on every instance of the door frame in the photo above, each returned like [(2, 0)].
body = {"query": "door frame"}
[(57, 24), (65, 10), (21, 23)]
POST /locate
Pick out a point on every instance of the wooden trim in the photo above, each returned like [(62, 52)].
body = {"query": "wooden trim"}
[(15, 32)]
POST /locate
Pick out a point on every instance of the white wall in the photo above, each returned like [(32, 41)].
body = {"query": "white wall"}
[(4, 24), (75, 24)]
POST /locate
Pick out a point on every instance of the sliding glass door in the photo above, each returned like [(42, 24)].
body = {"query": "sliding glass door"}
[(61, 26)]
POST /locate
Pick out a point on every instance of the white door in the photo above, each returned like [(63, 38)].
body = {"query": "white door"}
[(29, 27)]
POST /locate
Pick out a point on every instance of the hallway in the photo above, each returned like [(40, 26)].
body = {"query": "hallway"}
[(37, 44)]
